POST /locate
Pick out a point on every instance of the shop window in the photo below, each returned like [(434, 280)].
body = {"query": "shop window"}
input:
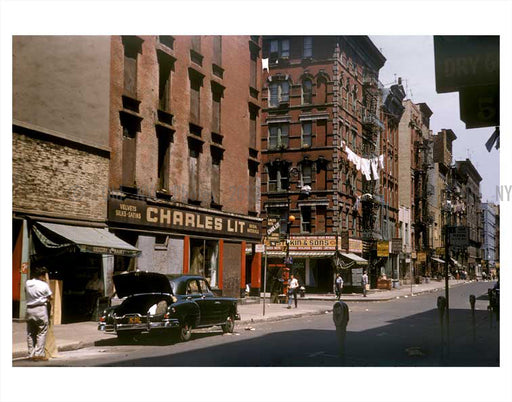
[(307, 47), (307, 91), (204, 259), (278, 136), (279, 92), (306, 134), (305, 219)]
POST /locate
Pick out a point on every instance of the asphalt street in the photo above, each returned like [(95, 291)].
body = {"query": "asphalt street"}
[(402, 332)]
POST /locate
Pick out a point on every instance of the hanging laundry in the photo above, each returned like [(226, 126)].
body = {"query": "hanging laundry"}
[(365, 168), (375, 168), (381, 161), (264, 64)]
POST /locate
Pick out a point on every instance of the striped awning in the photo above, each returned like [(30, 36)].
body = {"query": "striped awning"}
[(86, 239), (437, 260)]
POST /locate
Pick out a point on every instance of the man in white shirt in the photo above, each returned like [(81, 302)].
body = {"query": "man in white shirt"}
[(293, 286), (38, 295)]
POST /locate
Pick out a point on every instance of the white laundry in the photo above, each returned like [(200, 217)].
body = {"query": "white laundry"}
[(381, 161), (365, 168), (264, 64), (375, 168)]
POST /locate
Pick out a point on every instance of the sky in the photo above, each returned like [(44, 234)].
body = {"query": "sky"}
[(412, 58)]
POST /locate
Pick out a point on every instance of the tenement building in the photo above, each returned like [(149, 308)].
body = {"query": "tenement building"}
[(135, 152), (320, 154), (184, 172), (60, 159), (415, 160), (489, 237)]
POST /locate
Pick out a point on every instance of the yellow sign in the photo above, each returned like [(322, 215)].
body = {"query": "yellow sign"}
[(382, 248), (422, 256)]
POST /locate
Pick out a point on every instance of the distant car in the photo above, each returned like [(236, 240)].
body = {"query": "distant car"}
[(157, 303)]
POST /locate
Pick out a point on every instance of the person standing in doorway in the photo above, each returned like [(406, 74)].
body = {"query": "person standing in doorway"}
[(338, 286), (38, 295), (364, 282), (293, 286)]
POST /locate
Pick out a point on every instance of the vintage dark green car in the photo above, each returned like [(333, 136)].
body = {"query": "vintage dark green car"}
[(157, 303)]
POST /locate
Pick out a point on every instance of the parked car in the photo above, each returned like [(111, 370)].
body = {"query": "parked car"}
[(157, 303)]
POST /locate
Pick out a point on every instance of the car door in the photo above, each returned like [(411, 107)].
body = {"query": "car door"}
[(211, 304), (193, 292)]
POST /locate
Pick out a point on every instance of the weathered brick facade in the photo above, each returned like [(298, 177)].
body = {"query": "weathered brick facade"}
[(58, 180)]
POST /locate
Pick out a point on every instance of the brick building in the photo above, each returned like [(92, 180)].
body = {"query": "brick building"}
[(415, 159), (61, 159), (184, 173), (320, 106), (141, 135)]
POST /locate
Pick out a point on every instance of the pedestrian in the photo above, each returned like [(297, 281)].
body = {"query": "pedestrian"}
[(38, 295), (293, 286), (339, 286), (93, 291), (364, 282)]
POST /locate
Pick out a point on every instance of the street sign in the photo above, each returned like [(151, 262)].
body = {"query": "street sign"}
[(480, 106), (260, 248), (396, 245), (466, 61), (273, 228), (459, 236)]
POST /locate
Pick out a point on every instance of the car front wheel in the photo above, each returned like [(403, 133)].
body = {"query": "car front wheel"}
[(185, 332), (229, 326)]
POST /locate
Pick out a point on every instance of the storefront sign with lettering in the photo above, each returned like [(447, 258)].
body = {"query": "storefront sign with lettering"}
[(355, 246), (139, 212)]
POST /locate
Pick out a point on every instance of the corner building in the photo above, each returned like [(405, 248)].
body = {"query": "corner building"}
[(314, 106), (184, 172)]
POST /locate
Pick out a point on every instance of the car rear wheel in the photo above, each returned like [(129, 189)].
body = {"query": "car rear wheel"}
[(229, 326), (185, 332)]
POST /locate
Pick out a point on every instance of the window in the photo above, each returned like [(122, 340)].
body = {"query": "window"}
[(165, 66), (252, 188), (253, 114), (279, 48), (254, 68), (215, 179), (204, 261), (193, 174), (217, 50), (132, 47), (354, 224), (305, 219), (306, 134), (278, 136), (131, 127), (306, 174), (195, 100), (167, 41), (279, 92), (280, 214), (196, 43), (354, 140), (163, 161), (307, 91), (192, 287), (321, 219), (278, 179), (308, 47), (216, 115)]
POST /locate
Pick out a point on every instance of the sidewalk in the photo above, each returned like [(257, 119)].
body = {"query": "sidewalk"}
[(84, 334)]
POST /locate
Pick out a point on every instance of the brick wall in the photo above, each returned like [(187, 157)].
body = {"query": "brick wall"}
[(58, 180)]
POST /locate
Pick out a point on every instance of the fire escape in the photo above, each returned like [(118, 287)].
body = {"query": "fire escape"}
[(372, 198)]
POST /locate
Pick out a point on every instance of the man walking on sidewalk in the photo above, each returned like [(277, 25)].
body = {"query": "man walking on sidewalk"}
[(364, 282), (292, 291), (38, 295), (339, 286)]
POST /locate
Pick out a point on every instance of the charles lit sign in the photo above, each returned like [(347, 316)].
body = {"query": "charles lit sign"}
[(139, 212)]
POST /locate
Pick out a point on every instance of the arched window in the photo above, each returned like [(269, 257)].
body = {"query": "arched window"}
[(279, 92), (307, 91)]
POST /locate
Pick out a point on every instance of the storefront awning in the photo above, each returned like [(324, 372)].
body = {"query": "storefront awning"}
[(87, 239), (355, 258), (437, 260), (454, 261)]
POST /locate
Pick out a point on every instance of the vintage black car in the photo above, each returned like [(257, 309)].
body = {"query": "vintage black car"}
[(157, 303)]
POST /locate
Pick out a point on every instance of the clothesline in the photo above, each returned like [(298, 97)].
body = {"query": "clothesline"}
[(369, 167)]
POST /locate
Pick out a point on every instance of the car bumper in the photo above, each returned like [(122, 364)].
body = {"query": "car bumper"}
[(141, 327)]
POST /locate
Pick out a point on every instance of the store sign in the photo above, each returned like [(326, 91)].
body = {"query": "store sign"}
[(382, 249), (480, 106), (355, 246), (309, 243), (139, 212), (459, 236), (422, 256), (396, 245), (259, 248), (466, 61)]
